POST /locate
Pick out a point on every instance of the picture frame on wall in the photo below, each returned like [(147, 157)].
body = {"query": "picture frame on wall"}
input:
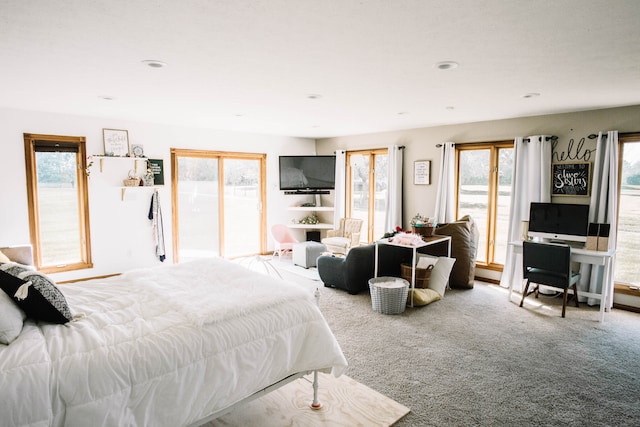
[(422, 172), (116, 142), (137, 150), (571, 179)]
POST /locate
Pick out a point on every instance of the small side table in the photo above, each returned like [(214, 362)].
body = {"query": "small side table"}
[(426, 241)]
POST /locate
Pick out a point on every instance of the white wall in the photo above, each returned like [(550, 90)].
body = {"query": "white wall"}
[(121, 235)]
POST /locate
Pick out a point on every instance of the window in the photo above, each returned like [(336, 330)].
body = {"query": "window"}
[(218, 203), (367, 191), (58, 202), (484, 177), (628, 242)]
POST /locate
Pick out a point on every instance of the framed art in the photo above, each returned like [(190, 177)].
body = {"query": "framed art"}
[(137, 150), (116, 142), (571, 179), (422, 172)]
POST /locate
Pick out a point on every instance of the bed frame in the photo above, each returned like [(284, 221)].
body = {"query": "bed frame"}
[(315, 404)]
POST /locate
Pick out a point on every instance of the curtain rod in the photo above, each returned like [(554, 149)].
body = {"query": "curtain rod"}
[(400, 147), (548, 138)]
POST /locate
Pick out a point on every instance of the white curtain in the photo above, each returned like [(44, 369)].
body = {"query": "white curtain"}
[(340, 190), (445, 197), (393, 211), (603, 206), (531, 182)]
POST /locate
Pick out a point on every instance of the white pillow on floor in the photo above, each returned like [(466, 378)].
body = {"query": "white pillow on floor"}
[(440, 274)]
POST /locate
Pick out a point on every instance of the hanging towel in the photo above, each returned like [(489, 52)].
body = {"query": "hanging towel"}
[(155, 215)]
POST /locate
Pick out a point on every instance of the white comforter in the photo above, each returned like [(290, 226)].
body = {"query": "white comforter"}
[(163, 347)]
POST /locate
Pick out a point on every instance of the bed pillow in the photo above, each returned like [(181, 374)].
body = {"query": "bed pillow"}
[(4, 258), (11, 319), (440, 274), (36, 294)]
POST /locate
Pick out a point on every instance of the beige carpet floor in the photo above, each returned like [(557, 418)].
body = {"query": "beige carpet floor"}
[(345, 402)]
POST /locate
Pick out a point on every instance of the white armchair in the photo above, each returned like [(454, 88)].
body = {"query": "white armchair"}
[(345, 237)]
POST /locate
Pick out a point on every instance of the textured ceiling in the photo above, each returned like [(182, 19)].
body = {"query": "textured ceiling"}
[(252, 65)]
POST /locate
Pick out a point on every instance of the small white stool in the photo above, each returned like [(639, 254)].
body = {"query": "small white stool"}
[(305, 254)]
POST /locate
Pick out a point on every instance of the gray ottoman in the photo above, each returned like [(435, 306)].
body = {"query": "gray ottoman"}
[(305, 254)]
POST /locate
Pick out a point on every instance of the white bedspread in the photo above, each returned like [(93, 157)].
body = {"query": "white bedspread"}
[(163, 347)]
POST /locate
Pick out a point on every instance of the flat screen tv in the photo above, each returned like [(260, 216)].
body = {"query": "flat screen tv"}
[(557, 221), (307, 174)]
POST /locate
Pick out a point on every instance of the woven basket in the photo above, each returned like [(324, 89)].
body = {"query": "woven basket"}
[(422, 275), (131, 182), (388, 294), (423, 231)]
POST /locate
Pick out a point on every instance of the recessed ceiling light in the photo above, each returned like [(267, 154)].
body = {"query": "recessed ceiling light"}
[(154, 63), (446, 65), (106, 98), (530, 95), (314, 96), (403, 113), (450, 107)]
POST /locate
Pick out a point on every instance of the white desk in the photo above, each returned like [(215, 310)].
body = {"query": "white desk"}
[(426, 241), (595, 258)]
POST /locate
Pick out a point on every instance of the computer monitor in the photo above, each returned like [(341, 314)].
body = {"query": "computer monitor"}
[(557, 221)]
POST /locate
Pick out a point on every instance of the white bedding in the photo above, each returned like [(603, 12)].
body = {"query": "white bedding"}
[(163, 347)]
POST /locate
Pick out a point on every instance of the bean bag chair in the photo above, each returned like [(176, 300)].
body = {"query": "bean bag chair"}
[(464, 248)]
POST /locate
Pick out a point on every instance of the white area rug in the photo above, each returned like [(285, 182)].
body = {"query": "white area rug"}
[(287, 265), (345, 402)]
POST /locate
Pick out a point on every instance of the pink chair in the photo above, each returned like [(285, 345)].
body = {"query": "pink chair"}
[(283, 238)]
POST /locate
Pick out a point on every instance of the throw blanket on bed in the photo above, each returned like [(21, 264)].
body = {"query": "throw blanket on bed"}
[(213, 290)]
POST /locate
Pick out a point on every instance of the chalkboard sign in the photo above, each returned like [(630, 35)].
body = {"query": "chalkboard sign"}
[(570, 179), (157, 167)]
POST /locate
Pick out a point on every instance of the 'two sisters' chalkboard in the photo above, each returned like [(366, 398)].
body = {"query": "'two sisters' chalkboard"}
[(570, 179)]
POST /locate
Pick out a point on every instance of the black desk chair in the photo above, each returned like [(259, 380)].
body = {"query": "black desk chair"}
[(548, 264)]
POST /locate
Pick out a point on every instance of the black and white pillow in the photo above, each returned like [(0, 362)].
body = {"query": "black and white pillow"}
[(34, 293)]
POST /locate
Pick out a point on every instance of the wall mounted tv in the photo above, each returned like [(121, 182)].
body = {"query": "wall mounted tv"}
[(557, 221), (307, 174)]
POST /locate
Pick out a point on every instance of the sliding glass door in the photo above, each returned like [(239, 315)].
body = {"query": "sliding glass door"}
[(218, 202), (242, 206), (367, 178), (484, 192)]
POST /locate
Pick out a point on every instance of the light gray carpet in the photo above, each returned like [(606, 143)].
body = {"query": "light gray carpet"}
[(475, 359)]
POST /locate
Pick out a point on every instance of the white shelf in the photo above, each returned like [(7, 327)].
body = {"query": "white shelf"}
[(124, 189), (102, 159), (320, 226)]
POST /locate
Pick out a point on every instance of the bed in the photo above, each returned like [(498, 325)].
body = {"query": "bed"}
[(174, 345)]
